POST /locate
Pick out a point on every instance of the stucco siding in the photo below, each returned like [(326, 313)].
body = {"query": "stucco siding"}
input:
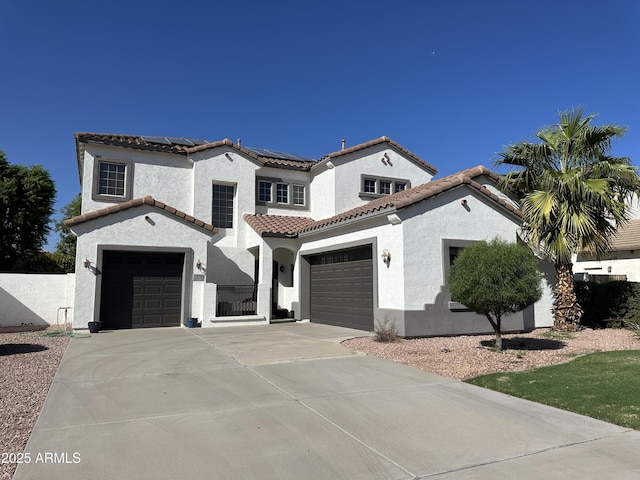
[(625, 263), (224, 166), (36, 299), (141, 229), (323, 193), (165, 177), (351, 167), (426, 224)]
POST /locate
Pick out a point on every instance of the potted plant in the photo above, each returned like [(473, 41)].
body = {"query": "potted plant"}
[(192, 322), (94, 327)]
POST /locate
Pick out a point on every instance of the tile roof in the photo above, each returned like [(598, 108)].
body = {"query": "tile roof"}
[(277, 225), (267, 225), (269, 158), (136, 203), (627, 237), (379, 141), (136, 141)]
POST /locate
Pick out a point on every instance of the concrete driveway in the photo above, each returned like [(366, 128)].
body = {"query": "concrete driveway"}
[(287, 401)]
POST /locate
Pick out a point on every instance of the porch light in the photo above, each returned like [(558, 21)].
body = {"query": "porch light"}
[(386, 257), (199, 265), (86, 262)]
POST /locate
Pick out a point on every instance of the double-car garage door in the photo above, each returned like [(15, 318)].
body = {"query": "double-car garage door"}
[(141, 289), (342, 288)]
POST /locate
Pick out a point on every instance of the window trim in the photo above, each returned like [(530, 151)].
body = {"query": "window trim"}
[(378, 180), (290, 196), (233, 205), (128, 180)]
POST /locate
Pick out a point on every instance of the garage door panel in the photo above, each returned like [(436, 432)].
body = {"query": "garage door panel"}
[(342, 288), (141, 289)]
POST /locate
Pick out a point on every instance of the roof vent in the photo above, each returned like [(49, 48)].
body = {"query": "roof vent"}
[(344, 141), (238, 142)]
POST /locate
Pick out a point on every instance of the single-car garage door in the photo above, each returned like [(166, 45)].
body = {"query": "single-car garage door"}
[(342, 288), (141, 289)]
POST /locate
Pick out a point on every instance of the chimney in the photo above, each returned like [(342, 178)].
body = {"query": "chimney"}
[(344, 141)]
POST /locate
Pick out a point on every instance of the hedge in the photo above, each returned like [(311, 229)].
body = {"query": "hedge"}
[(608, 304)]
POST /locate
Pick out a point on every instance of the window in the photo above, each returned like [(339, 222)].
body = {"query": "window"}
[(377, 186), (453, 254), (222, 209), (298, 194), (282, 193), (399, 186), (279, 192), (264, 191), (111, 179), (369, 185)]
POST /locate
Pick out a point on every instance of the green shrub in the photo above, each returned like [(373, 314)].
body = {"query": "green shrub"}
[(608, 304)]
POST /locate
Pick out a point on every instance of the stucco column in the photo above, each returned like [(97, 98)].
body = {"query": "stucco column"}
[(265, 276)]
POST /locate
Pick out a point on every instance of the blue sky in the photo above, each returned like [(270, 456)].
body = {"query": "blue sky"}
[(452, 81)]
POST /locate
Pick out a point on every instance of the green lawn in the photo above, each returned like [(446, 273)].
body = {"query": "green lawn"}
[(603, 385)]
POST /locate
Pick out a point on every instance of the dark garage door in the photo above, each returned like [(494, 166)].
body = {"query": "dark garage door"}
[(141, 289), (342, 288)]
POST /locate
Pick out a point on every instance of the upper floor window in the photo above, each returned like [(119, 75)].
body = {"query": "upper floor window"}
[(372, 186), (399, 186), (111, 180), (298, 195), (222, 208), (264, 191), (271, 191), (282, 193)]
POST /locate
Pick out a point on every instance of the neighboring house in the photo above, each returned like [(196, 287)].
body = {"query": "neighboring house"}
[(621, 263), (173, 228)]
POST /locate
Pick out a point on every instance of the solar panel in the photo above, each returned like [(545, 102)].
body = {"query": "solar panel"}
[(152, 139), (181, 141), (265, 152)]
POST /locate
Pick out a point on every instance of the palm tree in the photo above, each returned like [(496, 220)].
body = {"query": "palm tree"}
[(573, 194)]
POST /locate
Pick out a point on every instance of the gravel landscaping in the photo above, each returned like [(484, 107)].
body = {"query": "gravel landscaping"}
[(29, 360), (28, 363), (469, 356)]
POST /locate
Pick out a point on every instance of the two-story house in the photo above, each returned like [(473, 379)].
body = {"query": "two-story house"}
[(173, 228)]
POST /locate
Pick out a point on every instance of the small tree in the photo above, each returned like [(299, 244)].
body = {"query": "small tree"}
[(65, 254), (495, 279)]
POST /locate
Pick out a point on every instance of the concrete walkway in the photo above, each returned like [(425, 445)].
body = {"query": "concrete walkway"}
[(287, 401)]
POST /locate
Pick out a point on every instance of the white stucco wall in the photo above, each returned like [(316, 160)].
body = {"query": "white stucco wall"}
[(225, 166), (323, 193), (426, 224), (625, 264), (290, 177), (129, 230), (384, 236), (36, 299), (151, 173), (351, 167)]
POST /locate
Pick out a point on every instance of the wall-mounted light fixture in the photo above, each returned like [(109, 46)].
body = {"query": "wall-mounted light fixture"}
[(463, 202), (86, 262), (199, 265), (386, 257)]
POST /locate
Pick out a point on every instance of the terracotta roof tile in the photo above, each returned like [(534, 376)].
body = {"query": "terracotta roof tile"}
[(277, 225), (136, 202), (273, 224), (378, 141), (181, 146)]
